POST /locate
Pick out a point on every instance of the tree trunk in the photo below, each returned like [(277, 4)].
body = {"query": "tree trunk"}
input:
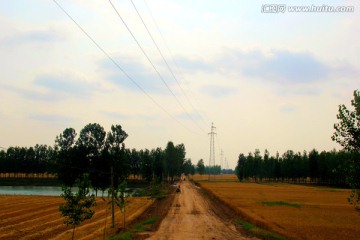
[(73, 233)]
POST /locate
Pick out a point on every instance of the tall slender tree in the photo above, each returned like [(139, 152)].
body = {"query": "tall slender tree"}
[(347, 134)]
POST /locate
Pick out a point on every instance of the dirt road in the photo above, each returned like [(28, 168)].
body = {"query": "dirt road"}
[(191, 217)]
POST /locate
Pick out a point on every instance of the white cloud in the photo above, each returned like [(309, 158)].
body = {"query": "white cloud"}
[(218, 91), (48, 36), (55, 87)]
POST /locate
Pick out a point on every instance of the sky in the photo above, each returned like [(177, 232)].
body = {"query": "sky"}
[(265, 80)]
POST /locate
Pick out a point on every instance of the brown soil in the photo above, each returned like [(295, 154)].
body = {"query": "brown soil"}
[(321, 213), (193, 215), (38, 217)]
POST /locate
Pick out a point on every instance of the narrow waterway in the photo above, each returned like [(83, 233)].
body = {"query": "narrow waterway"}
[(45, 190), (31, 190)]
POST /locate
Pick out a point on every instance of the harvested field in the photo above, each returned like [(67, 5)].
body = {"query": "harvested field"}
[(38, 217), (221, 177), (298, 212)]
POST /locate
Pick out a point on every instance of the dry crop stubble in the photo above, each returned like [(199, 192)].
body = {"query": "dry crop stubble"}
[(221, 177), (298, 212), (38, 217)]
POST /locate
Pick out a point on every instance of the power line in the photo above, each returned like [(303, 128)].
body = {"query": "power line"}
[(119, 67), (177, 67), (153, 66), (162, 56)]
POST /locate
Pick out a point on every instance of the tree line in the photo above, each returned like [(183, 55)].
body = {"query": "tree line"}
[(328, 168), (95, 152)]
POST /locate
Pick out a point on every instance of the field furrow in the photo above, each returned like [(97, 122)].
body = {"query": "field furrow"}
[(38, 217), (294, 211)]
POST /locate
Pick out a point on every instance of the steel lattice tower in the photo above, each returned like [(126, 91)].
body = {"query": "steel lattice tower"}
[(212, 153)]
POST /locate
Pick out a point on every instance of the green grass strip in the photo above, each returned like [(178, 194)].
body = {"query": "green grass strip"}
[(150, 221), (141, 227), (258, 231), (281, 203), (123, 236)]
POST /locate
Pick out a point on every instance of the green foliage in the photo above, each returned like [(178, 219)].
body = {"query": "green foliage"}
[(120, 196), (347, 131), (281, 203), (258, 231), (200, 167), (26, 160), (124, 236), (157, 190), (158, 167), (95, 152), (354, 199), (214, 170), (328, 168), (246, 225), (149, 221), (189, 168), (143, 226), (146, 165), (347, 134), (77, 207)]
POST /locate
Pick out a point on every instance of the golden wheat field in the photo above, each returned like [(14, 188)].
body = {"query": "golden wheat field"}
[(294, 211), (38, 217)]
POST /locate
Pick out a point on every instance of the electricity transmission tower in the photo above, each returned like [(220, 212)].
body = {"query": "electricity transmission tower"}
[(212, 153), (221, 160), (226, 164)]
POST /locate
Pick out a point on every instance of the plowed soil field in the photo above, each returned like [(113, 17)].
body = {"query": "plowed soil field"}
[(38, 217), (298, 212)]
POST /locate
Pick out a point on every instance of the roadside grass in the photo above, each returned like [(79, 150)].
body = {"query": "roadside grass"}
[(137, 228), (258, 231), (216, 180), (331, 190), (280, 203)]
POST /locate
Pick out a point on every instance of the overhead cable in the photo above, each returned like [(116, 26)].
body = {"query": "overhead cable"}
[(162, 56), (154, 67), (119, 67)]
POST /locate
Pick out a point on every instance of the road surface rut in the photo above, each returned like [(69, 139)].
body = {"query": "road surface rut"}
[(191, 217)]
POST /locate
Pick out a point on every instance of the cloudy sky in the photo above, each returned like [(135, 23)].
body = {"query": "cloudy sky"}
[(266, 80)]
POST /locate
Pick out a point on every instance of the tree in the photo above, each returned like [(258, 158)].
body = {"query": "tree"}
[(77, 207), (187, 167), (120, 199), (347, 134), (170, 159), (146, 165), (240, 167), (135, 162), (70, 158), (313, 165), (3, 162), (347, 131), (92, 141), (66, 139), (180, 159), (200, 166), (119, 158), (158, 160)]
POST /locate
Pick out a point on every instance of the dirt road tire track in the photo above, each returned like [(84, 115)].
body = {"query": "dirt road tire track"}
[(192, 216)]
